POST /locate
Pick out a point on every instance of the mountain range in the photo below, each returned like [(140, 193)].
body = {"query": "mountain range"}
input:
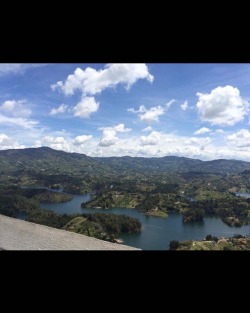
[(44, 159)]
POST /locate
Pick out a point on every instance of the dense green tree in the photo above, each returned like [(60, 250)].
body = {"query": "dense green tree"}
[(237, 236), (209, 237), (193, 215), (174, 244)]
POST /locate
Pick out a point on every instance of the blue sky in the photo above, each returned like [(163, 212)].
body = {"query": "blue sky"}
[(150, 110)]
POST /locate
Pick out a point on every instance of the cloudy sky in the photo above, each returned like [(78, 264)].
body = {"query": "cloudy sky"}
[(192, 110)]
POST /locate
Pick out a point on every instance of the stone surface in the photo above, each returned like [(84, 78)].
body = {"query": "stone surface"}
[(16, 234)]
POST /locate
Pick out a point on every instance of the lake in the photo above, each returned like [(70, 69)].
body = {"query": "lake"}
[(156, 232), (243, 194)]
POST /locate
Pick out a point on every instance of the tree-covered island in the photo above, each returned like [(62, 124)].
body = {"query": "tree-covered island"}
[(154, 186)]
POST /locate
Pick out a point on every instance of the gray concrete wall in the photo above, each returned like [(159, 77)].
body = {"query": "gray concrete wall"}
[(16, 234)]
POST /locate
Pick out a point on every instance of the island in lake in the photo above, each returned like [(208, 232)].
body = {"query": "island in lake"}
[(157, 187)]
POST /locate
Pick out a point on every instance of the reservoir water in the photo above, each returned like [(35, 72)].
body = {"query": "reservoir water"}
[(156, 232), (243, 194)]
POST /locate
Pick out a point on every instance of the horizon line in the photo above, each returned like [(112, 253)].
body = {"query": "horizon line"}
[(115, 156)]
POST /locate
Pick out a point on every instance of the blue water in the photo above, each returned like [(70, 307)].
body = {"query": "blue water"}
[(69, 207), (156, 232), (243, 194)]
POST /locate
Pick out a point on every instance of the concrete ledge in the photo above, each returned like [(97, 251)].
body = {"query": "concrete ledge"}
[(16, 234)]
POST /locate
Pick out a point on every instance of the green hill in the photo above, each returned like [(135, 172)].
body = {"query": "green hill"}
[(78, 173)]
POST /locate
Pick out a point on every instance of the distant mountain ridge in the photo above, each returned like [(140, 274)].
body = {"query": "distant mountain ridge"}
[(40, 159), (177, 164)]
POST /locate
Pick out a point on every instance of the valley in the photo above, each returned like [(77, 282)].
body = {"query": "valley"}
[(155, 187)]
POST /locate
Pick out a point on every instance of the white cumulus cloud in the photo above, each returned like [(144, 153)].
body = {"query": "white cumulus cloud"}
[(109, 134), (184, 106), (61, 109), (85, 107), (240, 138), (152, 115), (202, 131), (120, 128), (58, 143), (7, 142), (147, 129), (15, 108), (151, 139), (148, 115), (157, 144), (199, 142), (79, 140), (108, 138), (91, 81), (223, 106)]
